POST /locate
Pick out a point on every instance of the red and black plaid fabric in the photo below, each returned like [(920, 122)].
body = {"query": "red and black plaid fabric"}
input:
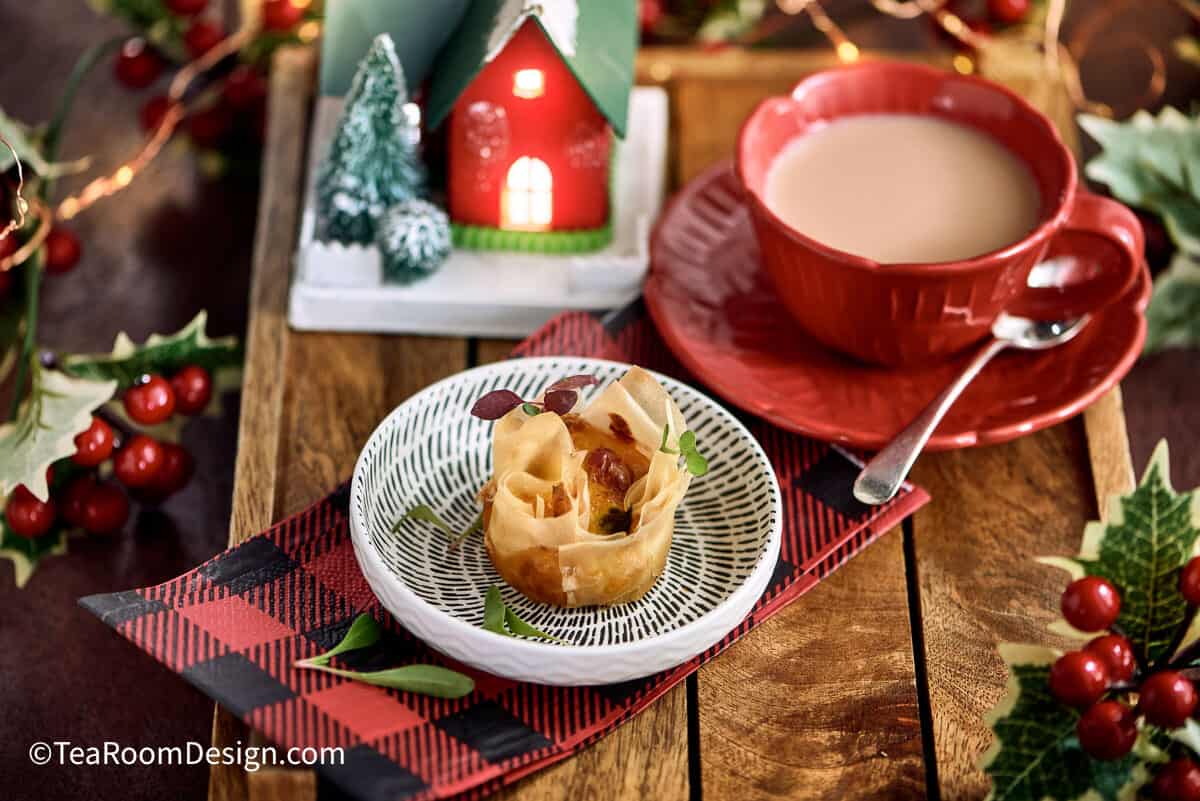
[(234, 626)]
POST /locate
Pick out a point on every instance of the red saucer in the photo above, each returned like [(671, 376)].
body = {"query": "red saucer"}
[(714, 305)]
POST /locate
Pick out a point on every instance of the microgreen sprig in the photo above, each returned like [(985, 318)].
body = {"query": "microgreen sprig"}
[(426, 515), (498, 618), (560, 398), (696, 464), (422, 679)]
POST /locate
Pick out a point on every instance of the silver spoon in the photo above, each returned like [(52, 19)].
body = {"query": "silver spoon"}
[(883, 475)]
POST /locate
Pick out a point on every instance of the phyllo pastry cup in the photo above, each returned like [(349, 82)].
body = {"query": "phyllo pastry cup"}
[(581, 506)]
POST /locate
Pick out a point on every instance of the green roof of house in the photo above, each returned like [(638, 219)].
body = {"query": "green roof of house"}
[(597, 41)]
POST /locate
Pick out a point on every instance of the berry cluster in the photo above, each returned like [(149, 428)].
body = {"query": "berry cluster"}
[(60, 254), (151, 469), (982, 17), (1100, 678), (242, 93)]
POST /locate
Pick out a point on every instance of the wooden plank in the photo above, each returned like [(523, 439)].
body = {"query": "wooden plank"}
[(994, 510), (820, 700), (644, 758), (255, 471), (1108, 448)]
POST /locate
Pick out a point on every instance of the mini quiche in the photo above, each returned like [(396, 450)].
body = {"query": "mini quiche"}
[(581, 505)]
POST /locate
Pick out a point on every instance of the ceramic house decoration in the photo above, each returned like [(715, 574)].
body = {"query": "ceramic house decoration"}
[(533, 93)]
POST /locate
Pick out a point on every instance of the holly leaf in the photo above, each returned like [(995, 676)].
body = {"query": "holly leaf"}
[(1154, 163), (58, 407), (21, 140), (159, 354), (1149, 536), (1173, 317), (1036, 754), (26, 554)]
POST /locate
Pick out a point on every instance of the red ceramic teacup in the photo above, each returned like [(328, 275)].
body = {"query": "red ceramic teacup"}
[(896, 314)]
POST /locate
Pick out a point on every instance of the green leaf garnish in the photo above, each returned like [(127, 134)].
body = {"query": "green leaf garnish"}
[(498, 618), (364, 632), (697, 465), (476, 525), (695, 462), (423, 679), (531, 409), (426, 515)]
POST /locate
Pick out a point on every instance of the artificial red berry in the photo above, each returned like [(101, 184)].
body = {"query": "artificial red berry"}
[(62, 250), (1178, 780), (1078, 678), (1009, 12), (244, 88), (1107, 730), (193, 389), (105, 509), (151, 401), (94, 445), (70, 503), (209, 126), (281, 15), (187, 8), (139, 462), (1117, 655), (650, 13), (1091, 604), (8, 246), (201, 36), (1189, 581), (137, 64), (26, 515), (152, 113), (1167, 699), (176, 471)]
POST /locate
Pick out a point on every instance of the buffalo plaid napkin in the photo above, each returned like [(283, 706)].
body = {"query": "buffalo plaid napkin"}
[(234, 626)]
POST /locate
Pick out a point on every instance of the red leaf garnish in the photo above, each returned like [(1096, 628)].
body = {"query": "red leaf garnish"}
[(496, 404), (573, 382), (560, 401)]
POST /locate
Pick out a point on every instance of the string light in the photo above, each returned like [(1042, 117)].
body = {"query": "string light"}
[(120, 178), (18, 199)]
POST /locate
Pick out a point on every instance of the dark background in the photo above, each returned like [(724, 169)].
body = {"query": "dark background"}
[(176, 242)]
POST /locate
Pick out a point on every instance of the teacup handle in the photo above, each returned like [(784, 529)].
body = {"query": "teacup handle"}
[(1095, 276)]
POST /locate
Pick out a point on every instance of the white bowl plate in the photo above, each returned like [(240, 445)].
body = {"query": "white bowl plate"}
[(431, 451)]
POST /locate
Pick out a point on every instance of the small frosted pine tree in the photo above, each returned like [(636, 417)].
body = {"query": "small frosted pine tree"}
[(373, 162)]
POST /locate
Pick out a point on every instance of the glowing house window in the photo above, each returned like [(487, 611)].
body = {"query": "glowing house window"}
[(529, 84), (527, 199)]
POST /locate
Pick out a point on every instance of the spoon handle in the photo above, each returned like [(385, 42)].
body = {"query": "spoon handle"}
[(883, 475)]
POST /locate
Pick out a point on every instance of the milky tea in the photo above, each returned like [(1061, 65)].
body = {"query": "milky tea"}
[(903, 188)]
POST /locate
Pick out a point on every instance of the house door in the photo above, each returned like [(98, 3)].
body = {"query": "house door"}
[(526, 202)]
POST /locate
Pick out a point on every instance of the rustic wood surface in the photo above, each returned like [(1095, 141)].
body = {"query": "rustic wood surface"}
[(843, 704)]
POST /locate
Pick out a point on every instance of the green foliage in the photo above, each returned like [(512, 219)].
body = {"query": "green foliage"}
[(423, 679), (57, 408), (373, 163), (1037, 754), (1150, 534), (26, 554), (1173, 318), (159, 354), (1153, 163), (499, 619)]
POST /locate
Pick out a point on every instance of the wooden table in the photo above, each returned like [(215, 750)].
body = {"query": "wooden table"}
[(872, 685)]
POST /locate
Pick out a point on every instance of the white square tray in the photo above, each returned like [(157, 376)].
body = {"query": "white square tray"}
[(479, 292)]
